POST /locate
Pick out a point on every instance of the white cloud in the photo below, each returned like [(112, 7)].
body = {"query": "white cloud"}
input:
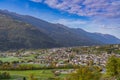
[(89, 8), (36, 0), (105, 8), (109, 27), (71, 23)]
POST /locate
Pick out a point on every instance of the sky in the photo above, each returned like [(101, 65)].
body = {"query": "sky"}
[(101, 16)]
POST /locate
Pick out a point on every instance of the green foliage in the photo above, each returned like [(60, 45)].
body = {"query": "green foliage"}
[(113, 66), (32, 77), (85, 73), (24, 78), (5, 75)]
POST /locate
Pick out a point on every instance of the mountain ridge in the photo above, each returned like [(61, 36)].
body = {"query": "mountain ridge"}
[(59, 34)]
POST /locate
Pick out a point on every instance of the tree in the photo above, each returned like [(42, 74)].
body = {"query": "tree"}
[(24, 78), (5, 75), (85, 73), (113, 66), (32, 77)]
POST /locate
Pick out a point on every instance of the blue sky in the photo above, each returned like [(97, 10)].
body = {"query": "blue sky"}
[(101, 16)]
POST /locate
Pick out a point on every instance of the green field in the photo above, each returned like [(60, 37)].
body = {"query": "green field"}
[(9, 59), (40, 74)]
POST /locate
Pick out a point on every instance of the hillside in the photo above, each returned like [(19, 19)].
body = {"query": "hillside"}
[(16, 35)]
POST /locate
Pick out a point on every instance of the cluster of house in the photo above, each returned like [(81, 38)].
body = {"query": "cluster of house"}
[(62, 56)]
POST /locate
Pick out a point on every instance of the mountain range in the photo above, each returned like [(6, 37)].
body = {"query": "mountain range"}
[(24, 31)]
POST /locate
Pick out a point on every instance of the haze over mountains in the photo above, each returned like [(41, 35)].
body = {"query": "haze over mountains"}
[(23, 31)]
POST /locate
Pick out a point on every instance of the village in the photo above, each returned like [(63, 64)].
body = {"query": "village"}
[(62, 57)]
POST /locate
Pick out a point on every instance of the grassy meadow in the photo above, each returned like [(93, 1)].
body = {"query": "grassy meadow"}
[(39, 74)]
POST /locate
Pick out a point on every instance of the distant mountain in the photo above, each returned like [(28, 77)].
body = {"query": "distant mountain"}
[(105, 38), (102, 38), (47, 34)]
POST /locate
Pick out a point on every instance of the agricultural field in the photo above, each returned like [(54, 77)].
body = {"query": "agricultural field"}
[(39, 74), (9, 59)]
